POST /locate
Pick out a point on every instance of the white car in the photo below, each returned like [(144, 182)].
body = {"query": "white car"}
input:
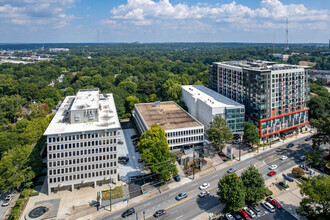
[(7, 200), (249, 212), (204, 186), (272, 167), (284, 157), (202, 194)]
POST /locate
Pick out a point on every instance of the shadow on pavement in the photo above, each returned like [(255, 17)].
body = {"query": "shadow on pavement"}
[(207, 202)]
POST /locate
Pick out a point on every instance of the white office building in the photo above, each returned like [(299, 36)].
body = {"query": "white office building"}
[(181, 129), (82, 141), (203, 103)]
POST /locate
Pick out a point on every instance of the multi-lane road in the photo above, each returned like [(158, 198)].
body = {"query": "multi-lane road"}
[(193, 205)]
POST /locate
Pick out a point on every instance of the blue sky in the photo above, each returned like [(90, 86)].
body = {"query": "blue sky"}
[(46, 21)]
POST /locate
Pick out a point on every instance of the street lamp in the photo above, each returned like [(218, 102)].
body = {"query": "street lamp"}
[(110, 193)]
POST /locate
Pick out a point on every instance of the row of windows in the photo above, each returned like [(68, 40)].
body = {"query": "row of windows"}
[(184, 133), (74, 153), (79, 160), (82, 176), (185, 140), (82, 136), (82, 144), (81, 168)]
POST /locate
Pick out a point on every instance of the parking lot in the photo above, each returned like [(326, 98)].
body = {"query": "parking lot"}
[(127, 149)]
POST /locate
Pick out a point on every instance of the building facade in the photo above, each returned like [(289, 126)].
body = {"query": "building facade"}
[(274, 95), (181, 129), (204, 103), (82, 141)]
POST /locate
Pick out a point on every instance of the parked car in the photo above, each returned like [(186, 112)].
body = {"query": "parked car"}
[(123, 160), (120, 142), (160, 213), (290, 145), (134, 136), (271, 173), (268, 206), (229, 216), (202, 194), (237, 215), (274, 202), (7, 200), (181, 196), (221, 218), (128, 212), (284, 157), (204, 186), (244, 214), (232, 169), (302, 158), (250, 212), (255, 209), (236, 142), (176, 177), (272, 167), (308, 139)]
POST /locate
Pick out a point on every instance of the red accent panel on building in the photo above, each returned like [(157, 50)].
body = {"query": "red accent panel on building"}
[(279, 116), (275, 132)]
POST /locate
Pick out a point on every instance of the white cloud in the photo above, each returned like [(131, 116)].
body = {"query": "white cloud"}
[(36, 12), (146, 12)]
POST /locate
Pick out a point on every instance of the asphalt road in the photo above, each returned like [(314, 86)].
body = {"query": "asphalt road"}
[(193, 205)]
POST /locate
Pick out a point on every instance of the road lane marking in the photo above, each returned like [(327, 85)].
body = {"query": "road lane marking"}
[(204, 205), (179, 217), (147, 204), (172, 194)]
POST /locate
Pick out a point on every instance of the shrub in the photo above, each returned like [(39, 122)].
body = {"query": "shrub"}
[(117, 192), (268, 192), (298, 172), (285, 186), (304, 178), (34, 193)]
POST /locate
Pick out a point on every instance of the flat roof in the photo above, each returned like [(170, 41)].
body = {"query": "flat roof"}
[(167, 114), (108, 118), (86, 99), (260, 65), (211, 97)]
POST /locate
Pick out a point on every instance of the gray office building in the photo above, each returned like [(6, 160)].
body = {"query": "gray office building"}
[(82, 141)]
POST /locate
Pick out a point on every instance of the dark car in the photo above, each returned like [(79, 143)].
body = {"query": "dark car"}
[(128, 212), (123, 160), (308, 139), (237, 216), (134, 136), (160, 213), (181, 196), (176, 177), (231, 170), (255, 208), (290, 145)]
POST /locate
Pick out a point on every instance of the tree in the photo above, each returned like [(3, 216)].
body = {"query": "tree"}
[(172, 90), (130, 101), (323, 130), (251, 133), (128, 86), (316, 198), (155, 152), (14, 168), (36, 111), (298, 172), (11, 107), (8, 140), (254, 185), (219, 133), (231, 192)]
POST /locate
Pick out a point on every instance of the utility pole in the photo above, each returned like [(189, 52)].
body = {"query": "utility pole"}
[(137, 218), (110, 194), (193, 162), (144, 215), (239, 152)]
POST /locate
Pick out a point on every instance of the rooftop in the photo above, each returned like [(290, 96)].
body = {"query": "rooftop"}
[(211, 97), (85, 99), (167, 114), (260, 65)]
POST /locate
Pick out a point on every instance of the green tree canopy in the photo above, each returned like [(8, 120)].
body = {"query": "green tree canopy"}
[(254, 185), (251, 133), (219, 133), (155, 152), (130, 101), (231, 192), (316, 198)]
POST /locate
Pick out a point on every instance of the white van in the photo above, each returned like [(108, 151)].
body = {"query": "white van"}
[(268, 206)]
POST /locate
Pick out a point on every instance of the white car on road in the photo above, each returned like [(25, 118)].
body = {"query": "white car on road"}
[(7, 200), (272, 167), (284, 157), (204, 186)]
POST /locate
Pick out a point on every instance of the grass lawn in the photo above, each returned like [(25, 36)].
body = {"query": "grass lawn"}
[(117, 192)]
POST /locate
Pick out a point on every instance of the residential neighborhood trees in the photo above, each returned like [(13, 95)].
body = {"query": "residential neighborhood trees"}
[(219, 133), (155, 152)]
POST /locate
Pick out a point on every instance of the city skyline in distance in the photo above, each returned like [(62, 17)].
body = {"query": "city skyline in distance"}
[(150, 21)]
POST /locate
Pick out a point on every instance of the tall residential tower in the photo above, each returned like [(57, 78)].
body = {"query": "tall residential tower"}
[(274, 95)]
